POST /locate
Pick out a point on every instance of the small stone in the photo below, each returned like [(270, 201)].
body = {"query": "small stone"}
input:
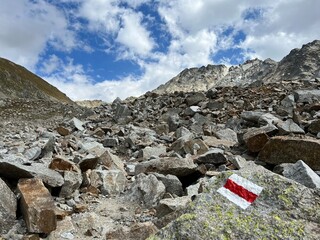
[(110, 142), (63, 131)]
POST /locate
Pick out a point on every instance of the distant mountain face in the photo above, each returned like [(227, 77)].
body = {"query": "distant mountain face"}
[(18, 82), (301, 63)]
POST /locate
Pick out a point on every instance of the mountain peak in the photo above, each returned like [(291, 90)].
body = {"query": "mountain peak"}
[(300, 63)]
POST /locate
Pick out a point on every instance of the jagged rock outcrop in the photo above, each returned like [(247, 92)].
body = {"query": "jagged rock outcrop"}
[(301, 63)]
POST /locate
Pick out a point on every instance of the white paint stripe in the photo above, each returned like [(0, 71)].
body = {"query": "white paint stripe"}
[(250, 186), (233, 197)]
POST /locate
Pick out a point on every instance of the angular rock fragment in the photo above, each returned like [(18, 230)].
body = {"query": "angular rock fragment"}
[(256, 138), (110, 142), (195, 98), (37, 206), (227, 134), (213, 156), (147, 189), (169, 165), (289, 126), (302, 173), (110, 182), (169, 205), (306, 96), (14, 170), (314, 127), (77, 124), (63, 131), (149, 152), (8, 207), (171, 182), (283, 149)]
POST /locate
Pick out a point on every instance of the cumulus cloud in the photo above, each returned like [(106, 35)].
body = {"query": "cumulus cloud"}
[(176, 34), (134, 36), (27, 27)]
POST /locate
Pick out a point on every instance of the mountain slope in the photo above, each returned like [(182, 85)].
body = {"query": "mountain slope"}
[(301, 63), (18, 82)]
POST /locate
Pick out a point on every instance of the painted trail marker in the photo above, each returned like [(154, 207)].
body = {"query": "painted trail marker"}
[(240, 191)]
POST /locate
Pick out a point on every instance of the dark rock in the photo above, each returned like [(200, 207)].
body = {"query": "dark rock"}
[(214, 156)]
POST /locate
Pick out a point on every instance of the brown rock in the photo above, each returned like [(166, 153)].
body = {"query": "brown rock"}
[(256, 138), (37, 206), (282, 149), (63, 131)]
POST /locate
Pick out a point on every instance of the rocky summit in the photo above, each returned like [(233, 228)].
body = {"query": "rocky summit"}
[(233, 161), (300, 64)]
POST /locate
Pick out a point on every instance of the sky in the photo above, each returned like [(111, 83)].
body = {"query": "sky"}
[(104, 49)]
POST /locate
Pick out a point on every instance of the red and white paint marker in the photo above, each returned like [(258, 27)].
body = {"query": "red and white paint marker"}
[(240, 191)]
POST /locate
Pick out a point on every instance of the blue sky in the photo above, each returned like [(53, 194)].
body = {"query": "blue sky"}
[(103, 49)]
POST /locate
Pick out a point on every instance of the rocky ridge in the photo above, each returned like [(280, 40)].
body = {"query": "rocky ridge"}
[(298, 64)]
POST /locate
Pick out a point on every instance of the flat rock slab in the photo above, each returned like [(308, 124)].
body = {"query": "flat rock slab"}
[(175, 166), (15, 170), (8, 207), (37, 206), (282, 149), (283, 210)]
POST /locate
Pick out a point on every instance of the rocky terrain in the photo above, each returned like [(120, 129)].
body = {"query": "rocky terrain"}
[(301, 63), (153, 167)]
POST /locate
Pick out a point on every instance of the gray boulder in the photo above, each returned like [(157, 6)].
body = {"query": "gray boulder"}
[(302, 173), (146, 189), (283, 210), (171, 182), (8, 208), (169, 165)]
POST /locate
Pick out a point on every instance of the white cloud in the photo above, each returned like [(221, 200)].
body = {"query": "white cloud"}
[(195, 31), (102, 15), (27, 27), (134, 36)]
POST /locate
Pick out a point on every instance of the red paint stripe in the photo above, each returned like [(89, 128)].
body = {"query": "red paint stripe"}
[(240, 191)]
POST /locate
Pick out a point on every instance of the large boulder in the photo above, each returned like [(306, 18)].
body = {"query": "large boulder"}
[(282, 149), (283, 210)]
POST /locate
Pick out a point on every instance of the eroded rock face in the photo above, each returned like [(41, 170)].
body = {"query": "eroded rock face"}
[(37, 206), (284, 209)]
